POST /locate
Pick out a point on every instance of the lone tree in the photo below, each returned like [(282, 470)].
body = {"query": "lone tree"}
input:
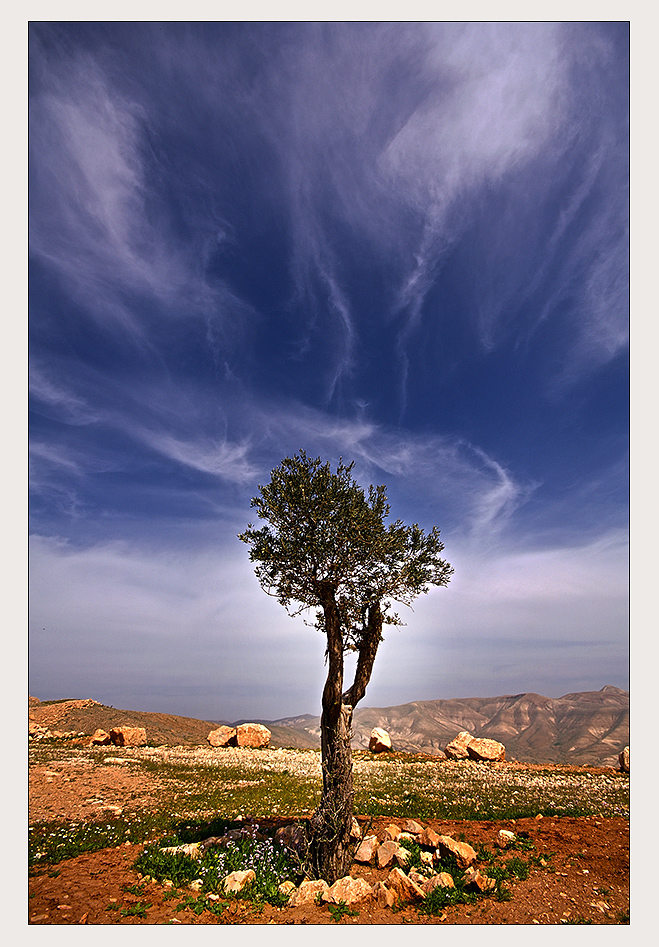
[(327, 548)]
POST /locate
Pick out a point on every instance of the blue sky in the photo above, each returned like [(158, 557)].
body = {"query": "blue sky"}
[(405, 244)]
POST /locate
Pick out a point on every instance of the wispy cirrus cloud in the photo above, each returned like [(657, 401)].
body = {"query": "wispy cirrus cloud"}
[(99, 218)]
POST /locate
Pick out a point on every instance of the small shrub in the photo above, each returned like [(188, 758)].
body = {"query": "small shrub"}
[(440, 898), (135, 910), (341, 910), (518, 868)]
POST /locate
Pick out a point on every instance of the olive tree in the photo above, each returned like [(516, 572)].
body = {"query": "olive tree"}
[(327, 547)]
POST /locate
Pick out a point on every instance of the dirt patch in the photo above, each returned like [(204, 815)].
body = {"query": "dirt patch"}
[(587, 881)]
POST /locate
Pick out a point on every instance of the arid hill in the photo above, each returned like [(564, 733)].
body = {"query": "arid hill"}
[(587, 728)]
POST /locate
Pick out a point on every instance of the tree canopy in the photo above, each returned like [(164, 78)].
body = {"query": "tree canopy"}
[(325, 534)]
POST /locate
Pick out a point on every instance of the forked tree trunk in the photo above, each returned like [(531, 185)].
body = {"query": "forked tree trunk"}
[(331, 849)]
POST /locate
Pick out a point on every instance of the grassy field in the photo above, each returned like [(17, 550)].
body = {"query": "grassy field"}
[(201, 787)]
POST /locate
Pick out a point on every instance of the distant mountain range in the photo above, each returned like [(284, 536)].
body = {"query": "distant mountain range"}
[(589, 728), (585, 728)]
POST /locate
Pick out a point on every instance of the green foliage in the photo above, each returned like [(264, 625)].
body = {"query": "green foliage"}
[(137, 889), (176, 867), (135, 910), (414, 860), (325, 534), (272, 864), (341, 910), (440, 898), (518, 868)]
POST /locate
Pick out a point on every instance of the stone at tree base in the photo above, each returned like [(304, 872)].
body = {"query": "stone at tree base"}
[(355, 831), (367, 849), (465, 854), (286, 888), (486, 751), (308, 892), (623, 759), (428, 838), (403, 888), (386, 852), (238, 880), (128, 736), (293, 837), (100, 738), (383, 896), (253, 734), (441, 880), (416, 877), (457, 748), (391, 832), (380, 741), (402, 856), (349, 890), (223, 736)]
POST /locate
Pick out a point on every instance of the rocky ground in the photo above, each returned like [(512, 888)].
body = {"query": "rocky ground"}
[(587, 881)]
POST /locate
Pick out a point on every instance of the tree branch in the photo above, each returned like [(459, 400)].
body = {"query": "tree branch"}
[(371, 638)]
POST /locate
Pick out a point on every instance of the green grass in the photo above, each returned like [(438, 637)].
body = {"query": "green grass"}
[(199, 793), (463, 791), (51, 842)]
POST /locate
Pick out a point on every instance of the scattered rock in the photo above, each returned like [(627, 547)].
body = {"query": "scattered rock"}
[(505, 838), (457, 748), (286, 888), (402, 856), (238, 880), (416, 877), (293, 837), (223, 736), (128, 736), (623, 759), (190, 848), (100, 738), (392, 832), (428, 838), (380, 741), (441, 880), (473, 878), (486, 751), (412, 827), (253, 734)]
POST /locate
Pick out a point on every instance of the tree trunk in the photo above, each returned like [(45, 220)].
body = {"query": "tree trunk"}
[(331, 847), (330, 850)]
